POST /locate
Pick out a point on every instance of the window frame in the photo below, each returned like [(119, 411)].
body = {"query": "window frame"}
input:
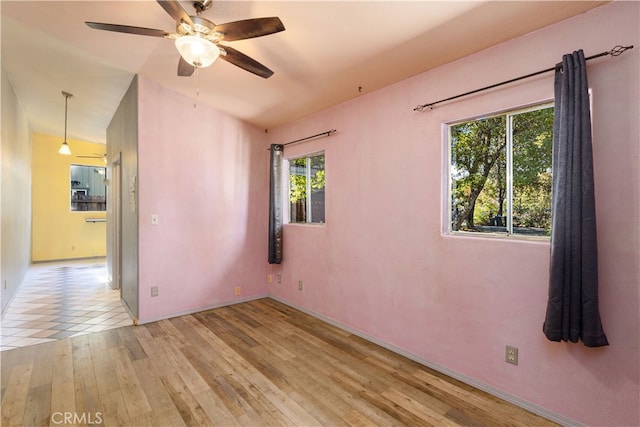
[(85, 190), (287, 184), (447, 228)]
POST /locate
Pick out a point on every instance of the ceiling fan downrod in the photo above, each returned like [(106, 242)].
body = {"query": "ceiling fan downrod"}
[(202, 5)]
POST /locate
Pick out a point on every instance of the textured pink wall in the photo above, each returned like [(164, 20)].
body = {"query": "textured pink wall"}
[(383, 266), (203, 173)]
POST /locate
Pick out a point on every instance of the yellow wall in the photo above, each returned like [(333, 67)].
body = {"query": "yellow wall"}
[(57, 232)]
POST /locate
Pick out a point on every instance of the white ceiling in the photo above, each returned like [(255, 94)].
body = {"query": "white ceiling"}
[(328, 51)]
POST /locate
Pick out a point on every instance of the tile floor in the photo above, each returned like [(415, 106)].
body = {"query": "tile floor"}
[(59, 300)]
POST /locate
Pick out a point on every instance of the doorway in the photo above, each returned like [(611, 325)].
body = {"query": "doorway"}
[(114, 231)]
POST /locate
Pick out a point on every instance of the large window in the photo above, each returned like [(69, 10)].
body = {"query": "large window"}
[(500, 173), (88, 192), (306, 189)]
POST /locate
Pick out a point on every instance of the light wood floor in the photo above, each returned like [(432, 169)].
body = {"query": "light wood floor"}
[(253, 364)]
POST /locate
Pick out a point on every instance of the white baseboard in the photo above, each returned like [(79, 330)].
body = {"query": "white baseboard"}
[(200, 309), (538, 410)]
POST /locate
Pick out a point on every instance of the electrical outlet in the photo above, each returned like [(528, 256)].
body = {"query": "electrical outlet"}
[(154, 291), (299, 285), (511, 355), (155, 219), (238, 291), (279, 278)]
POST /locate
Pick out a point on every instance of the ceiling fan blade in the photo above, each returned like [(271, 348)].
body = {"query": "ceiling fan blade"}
[(184, 68), (243, 61), (173, 8), (249, 28), (128, 29)]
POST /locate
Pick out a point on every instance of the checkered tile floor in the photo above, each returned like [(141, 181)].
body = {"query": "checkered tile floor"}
[(60, 300)]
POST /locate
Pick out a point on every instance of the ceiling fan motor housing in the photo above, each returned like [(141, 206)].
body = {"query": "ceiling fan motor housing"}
[(201, 26)]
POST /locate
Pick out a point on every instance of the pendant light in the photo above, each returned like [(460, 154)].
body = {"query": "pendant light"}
[(64, 148)]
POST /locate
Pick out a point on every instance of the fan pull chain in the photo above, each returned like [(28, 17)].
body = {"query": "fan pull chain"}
[(196, 89)]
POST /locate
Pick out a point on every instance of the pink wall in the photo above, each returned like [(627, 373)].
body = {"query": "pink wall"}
[(203, 173), (383, 266)]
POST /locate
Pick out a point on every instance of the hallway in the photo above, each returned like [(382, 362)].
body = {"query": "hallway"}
[(59, 300)]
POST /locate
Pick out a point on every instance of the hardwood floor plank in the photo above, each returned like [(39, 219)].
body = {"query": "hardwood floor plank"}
[(131, 343), (15, 397), (229, 392), (147, 341), (493, 410), (86, 389), (245, 382), (215, 409), (42, 365), (37, 408), (113, 408), (259, 363), (340, 397), (252, 328), (426, 414), (63, 396), (151, 383), (170, 418), (135, 398), (186, 403), (378, 401), (457, 409), (170, 333), (219, 375), (270, 319), (356, 419), (316, 387)]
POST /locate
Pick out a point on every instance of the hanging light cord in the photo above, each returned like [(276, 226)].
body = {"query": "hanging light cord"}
[(66, 100)]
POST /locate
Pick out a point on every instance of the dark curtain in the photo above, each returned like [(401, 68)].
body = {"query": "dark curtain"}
[(275, 205), (572, 308)]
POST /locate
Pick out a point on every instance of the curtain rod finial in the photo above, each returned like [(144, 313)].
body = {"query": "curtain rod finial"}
[(618, 50)]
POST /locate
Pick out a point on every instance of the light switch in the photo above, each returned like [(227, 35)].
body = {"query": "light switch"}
[(155, 219)]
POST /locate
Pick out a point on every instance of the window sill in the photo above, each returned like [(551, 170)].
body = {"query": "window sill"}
[(498, 236), (306, 224)]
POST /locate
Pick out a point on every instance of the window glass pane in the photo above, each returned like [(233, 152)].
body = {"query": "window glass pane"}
[(478, 175), (532, 159), (298, 190), (317, 188), (88, 192), (501, 173)]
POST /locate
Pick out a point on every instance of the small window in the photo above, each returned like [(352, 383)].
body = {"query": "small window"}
[(88, 192), (500, 173), (306, 189)]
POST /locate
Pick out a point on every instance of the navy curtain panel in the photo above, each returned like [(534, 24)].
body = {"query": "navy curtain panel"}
[(275, 205), (572, 309)]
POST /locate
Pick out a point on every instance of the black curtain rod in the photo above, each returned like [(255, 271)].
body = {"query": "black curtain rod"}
[(326, 133), (613, 52)]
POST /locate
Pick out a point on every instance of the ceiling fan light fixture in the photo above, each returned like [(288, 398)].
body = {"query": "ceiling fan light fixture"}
[(197, 50)]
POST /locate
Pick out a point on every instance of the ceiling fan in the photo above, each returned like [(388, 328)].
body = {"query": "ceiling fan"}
[(198, 39), (97, 156)]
